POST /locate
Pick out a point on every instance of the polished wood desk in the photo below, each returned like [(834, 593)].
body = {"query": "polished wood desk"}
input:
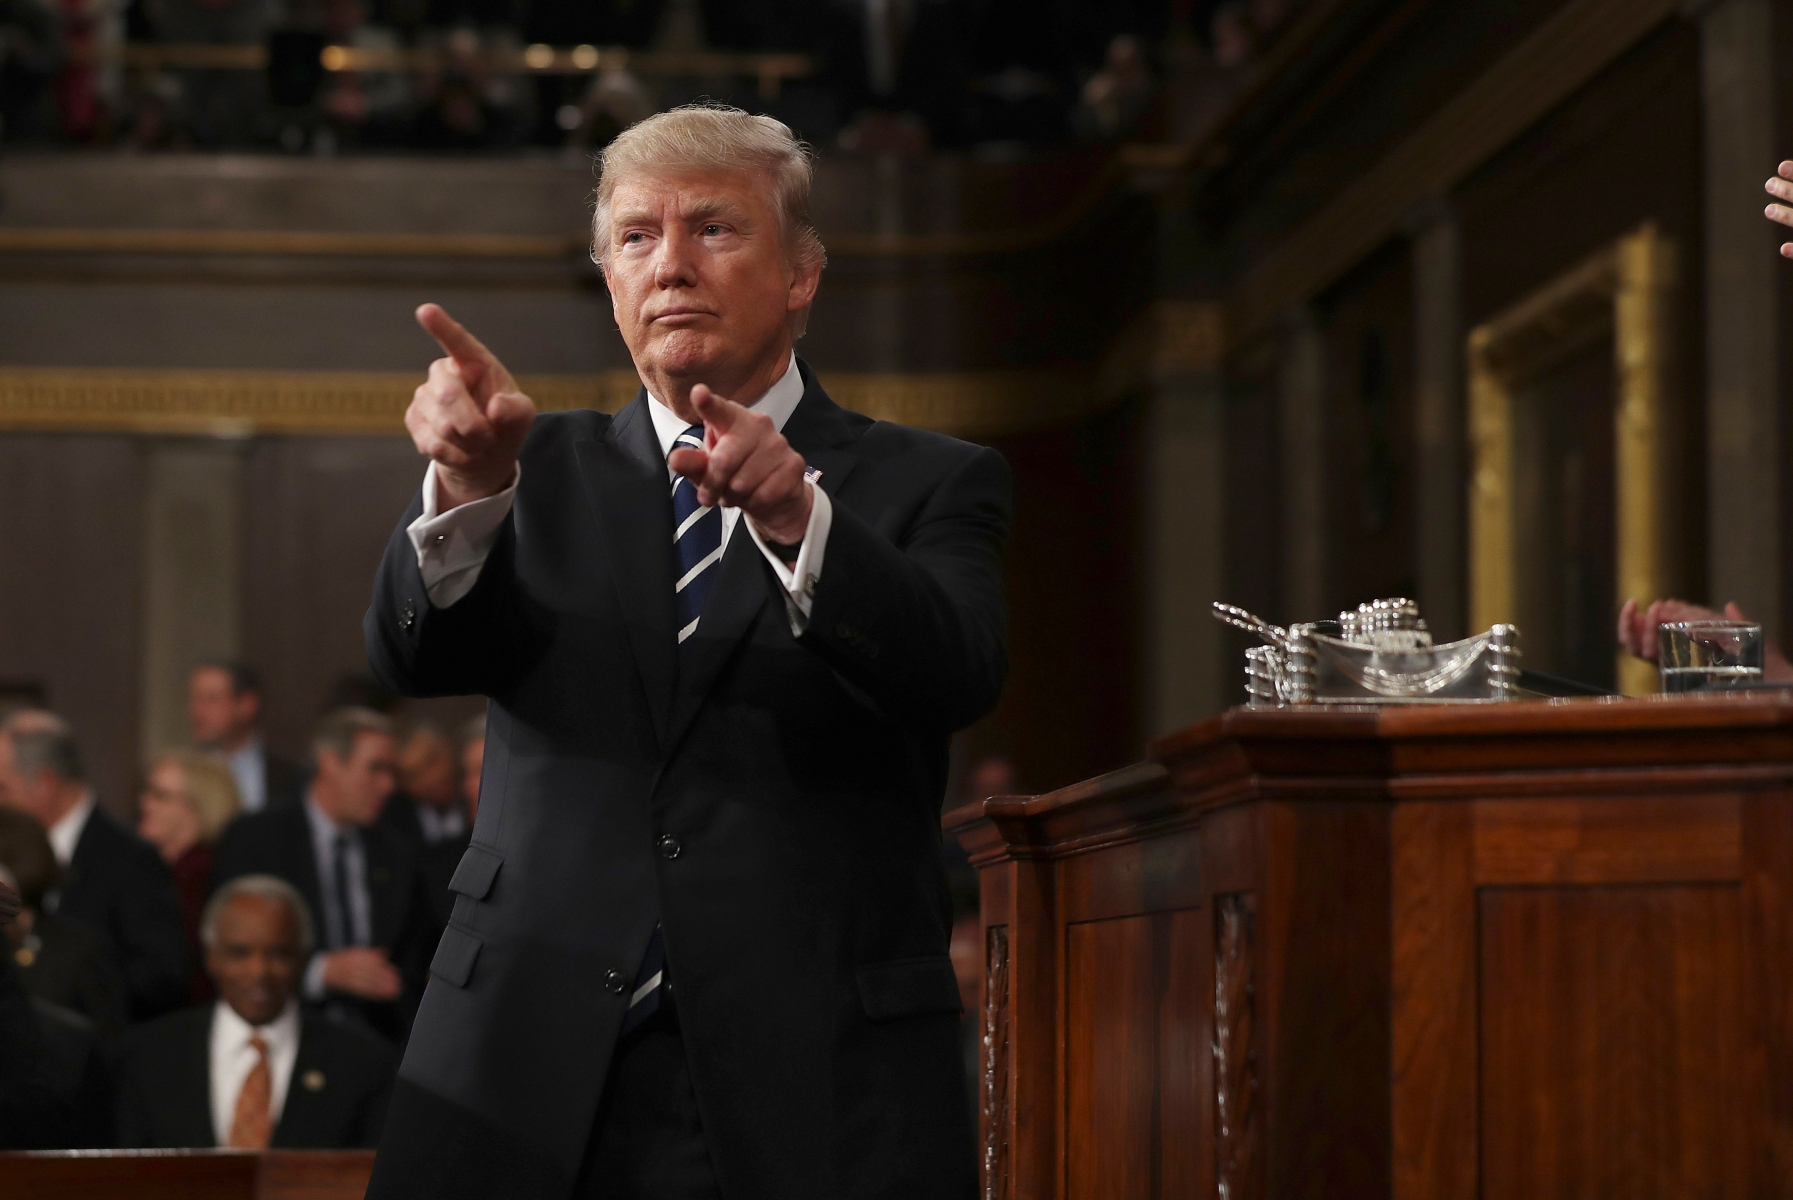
[(1525, 951), (187, 1175)]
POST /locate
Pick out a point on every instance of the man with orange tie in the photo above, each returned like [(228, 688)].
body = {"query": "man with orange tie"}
[(250, 1071)]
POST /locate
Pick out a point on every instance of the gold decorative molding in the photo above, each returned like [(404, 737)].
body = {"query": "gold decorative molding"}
[(976, 405), (1627, 291), (1536, 76)]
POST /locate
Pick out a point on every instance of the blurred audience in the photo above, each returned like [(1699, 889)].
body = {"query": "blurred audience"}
[(426, 808), (185, 805), (31, 54), (111, 879), (224, 701), (253, 1070), (60, 960), (361, 884)]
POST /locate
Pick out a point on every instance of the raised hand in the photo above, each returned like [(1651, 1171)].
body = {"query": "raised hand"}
[(747, 464), (363, 971), (468, 416), (1781, 188)]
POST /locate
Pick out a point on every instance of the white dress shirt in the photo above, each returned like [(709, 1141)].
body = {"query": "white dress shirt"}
[(65, 835), (452, 546), (249, 767), (232, 1058)]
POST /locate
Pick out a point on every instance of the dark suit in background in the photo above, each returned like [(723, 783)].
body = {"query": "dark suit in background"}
[(278, 842), (286, 781), (336, 1100), (772, 801), (68, 964), (116, 883)]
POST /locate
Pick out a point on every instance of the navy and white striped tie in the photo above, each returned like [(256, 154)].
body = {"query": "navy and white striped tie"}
[(697, 535)]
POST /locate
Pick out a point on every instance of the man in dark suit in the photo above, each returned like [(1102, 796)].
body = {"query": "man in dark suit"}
[(224, 711), (361, 885), (253, 1071), (112, 880), (699, 940)]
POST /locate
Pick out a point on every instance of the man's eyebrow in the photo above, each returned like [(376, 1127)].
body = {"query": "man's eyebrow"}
[(715, 206)]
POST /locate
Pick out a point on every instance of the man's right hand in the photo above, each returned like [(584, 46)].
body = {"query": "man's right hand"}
[(1638, 632), (468, 417), (363, 971)]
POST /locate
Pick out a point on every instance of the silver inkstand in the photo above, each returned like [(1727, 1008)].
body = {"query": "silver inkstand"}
[(1380, 653)]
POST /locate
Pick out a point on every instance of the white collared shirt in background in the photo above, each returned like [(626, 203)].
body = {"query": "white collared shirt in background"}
[(232, 1058), (452, 546), (249, 767), (65, 835)]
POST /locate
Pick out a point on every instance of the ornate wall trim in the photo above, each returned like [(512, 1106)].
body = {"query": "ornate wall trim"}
[(977, 404), (1541, 72)]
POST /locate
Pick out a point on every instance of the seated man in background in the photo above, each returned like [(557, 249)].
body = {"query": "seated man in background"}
[(426, 809), (1638, 632), (53, 1083), (252, 1071), (224, 711), (60, 960), (360, 883), (111, 879)]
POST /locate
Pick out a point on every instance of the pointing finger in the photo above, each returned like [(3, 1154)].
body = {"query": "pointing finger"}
[(469, 353), (718, 413)]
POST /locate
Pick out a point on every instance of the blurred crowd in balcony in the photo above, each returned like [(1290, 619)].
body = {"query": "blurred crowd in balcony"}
[(877, 76)]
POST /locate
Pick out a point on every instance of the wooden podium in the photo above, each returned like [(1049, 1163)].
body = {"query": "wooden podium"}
[(1514, 952)]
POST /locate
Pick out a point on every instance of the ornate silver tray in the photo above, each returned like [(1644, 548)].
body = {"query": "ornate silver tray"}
[(1381, 653)]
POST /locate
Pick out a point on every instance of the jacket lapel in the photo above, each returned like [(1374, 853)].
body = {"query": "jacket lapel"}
[(190, 1091), (818, 430), (625, 481), (303, 1120)]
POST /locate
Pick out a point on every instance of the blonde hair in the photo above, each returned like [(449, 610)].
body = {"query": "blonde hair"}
[(211, 791), (715, 137)]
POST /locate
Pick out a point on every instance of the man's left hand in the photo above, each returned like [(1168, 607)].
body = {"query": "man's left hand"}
[(747, 464), (1781, 188)]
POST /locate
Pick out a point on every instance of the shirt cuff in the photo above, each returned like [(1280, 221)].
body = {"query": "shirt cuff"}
[(452, 546), (799, 578), (313, 986)]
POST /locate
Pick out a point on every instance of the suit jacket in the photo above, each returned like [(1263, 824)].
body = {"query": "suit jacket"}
[(278, 842), (336, 1100), (71, 967), (772, 801), (117, 884), (287, 781)]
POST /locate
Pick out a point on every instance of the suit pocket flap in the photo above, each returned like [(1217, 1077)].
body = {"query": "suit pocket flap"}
[(479, 867), (909, 987), (455, 956)]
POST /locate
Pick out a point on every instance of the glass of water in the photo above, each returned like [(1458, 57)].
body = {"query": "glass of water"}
[(1704, 656)]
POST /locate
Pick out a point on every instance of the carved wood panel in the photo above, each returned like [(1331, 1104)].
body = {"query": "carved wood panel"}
[(1238, 1172), (994, 1058)]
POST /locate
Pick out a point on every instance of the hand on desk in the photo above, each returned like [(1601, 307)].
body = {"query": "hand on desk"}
[(468, 417), (1638, 637), (363, 971)]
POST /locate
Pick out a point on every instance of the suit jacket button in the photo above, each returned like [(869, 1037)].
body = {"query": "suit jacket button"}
[(614, 982), (669, 846)]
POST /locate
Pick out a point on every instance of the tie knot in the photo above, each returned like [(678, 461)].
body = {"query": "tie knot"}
[(693, 437), (258, 1044)]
